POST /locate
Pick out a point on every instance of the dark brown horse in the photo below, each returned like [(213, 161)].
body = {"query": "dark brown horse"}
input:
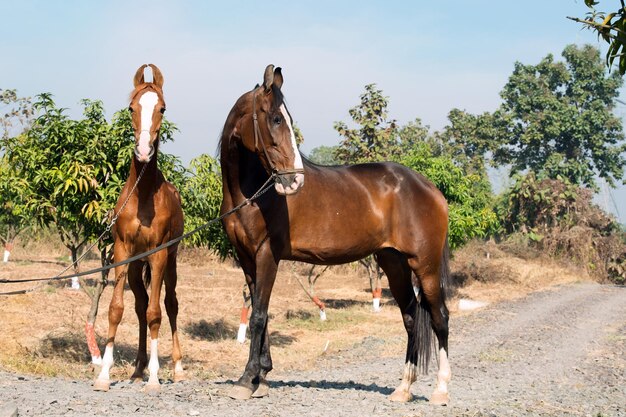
[(330, 215), (149, 214)]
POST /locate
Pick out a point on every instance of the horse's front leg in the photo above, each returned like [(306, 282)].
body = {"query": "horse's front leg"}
[(259, 359), (116, 310), (158, 263)]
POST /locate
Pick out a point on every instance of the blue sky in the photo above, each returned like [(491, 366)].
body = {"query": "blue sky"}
[(428, 57)]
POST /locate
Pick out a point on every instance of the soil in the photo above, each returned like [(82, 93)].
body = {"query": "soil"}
[(557, 352)]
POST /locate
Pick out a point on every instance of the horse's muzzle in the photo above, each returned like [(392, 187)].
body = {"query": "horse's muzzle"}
[(142, 155), (287, 184)]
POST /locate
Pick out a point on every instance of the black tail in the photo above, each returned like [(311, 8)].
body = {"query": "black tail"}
[(424, 342)]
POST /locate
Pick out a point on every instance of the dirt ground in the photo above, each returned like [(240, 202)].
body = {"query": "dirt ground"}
[(558, 351)]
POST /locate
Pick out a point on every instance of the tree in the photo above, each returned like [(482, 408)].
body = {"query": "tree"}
[(14, 213), (201, 193), (324, 155), (611, 27), (375, 139), (468, 139), (18, 113), (469, 197), (561, 111)]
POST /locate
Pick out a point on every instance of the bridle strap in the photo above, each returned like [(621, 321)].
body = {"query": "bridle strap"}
[(258, 137)]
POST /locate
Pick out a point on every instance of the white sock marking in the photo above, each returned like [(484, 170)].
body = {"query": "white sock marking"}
[(444, 374), (107, 362), (153, 365), (147, 101)]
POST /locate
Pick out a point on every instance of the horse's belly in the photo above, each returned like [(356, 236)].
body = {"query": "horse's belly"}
[(336, 246)]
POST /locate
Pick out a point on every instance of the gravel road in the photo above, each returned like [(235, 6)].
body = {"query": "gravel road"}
[(560, 352)]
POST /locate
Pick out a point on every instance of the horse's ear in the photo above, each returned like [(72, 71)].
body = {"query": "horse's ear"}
[(157, 77), (268, 77), (278, 78), (139, 75)]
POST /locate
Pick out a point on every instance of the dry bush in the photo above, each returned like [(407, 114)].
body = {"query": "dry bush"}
[(559, 219)]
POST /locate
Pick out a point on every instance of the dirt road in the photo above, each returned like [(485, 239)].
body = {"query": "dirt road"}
[(553, 353)]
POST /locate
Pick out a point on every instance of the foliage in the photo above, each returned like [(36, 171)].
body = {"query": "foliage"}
[(561, 110), (468, 139), (611, 27), (324, 155), (469, 195), (14, 197), (18, 113), (559, 218), (375, 139), (201, 193), (14, 191)]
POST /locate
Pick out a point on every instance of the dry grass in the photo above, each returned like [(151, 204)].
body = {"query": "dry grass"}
[(43, 330)]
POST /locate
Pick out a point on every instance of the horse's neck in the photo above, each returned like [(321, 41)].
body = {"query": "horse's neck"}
[(242, 172), (150, 178)]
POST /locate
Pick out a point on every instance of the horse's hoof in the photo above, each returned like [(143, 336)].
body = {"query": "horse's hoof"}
[(400, 396), (262, 390), (136, 379), (152, 388), (101, 385), (179, 376), (439, 398), (239, 392)]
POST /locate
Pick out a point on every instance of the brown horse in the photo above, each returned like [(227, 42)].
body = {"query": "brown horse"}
[(149, 215), (330, 215)]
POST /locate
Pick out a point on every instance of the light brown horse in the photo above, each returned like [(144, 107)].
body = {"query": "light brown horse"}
[(152, 216), (330, 215)]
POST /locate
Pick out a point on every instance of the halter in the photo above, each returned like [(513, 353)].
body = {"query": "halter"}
[(257, 134)]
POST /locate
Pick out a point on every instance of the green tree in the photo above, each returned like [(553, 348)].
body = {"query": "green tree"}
[(561, 111), (470, 202), (324, 155), (18, 113), (611, 27), (14, 191), (14, 213), (468, 139), (201, 193), (376, 137)]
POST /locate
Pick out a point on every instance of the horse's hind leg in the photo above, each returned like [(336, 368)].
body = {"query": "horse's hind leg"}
[(171, 306), (136, 284), (398, 272), (433, 300)]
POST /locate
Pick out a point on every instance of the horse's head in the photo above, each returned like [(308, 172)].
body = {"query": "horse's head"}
[(147, 107), (265, 128)]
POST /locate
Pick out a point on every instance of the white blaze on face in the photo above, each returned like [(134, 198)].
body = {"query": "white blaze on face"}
[(147, 101), (297, 163)]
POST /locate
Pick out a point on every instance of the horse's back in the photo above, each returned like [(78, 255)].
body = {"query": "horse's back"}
[(359, 209)]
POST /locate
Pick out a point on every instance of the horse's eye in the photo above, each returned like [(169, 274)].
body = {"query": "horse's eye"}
[(277, 120), (162, 110)]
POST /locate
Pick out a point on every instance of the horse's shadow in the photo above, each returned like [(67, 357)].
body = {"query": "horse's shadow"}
[(332, 385)]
